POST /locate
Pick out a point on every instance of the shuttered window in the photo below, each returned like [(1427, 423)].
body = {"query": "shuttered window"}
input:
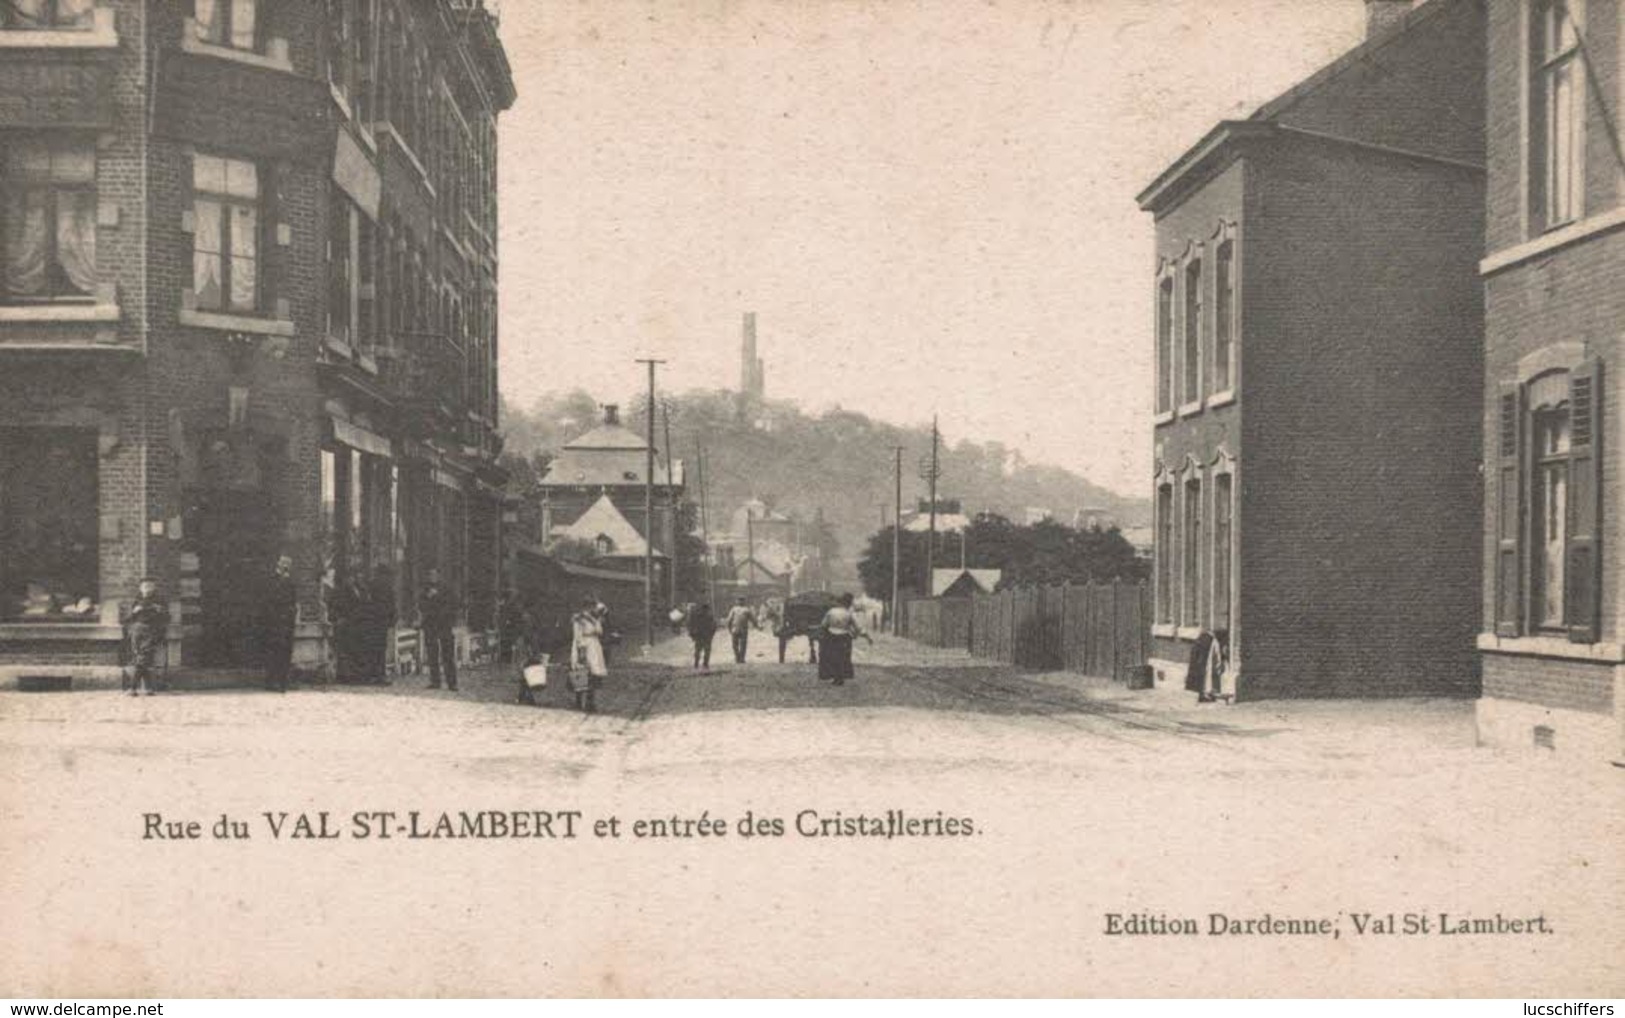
[(1548, 505)]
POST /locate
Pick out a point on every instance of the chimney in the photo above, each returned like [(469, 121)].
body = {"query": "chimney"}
[(1382, 15), (612, 413)]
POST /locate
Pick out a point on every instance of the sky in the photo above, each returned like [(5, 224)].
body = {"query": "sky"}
[(929, 206)]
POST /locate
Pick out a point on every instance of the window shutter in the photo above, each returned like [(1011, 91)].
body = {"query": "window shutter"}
[(1583, 570), (1509, 510)]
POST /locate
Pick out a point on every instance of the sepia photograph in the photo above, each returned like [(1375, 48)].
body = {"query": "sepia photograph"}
[(832, 499)]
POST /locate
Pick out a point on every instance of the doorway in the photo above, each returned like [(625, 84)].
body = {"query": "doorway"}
[(234, 535)]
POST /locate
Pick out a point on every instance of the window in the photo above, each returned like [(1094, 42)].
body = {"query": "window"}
[(1549, 505), (1549, 513), (1193, 332), (1224, 313), (1165, 343), (1190, 601), (1165, 553), (233, 23), (1223, 513), (48, 525), (340, 262), (50, 220), (54, 15), (225, 238), (1557, 105)]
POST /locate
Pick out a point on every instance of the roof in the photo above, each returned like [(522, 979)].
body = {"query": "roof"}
[(1268, 119), (986, 579), (608, 436), (947, 523), (597, 467), (605, 520)]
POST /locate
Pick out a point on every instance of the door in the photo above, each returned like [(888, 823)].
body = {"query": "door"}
[(235, 533)]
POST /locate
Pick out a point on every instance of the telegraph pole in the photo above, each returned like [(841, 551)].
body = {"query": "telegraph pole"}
[(649, 515), (896, 539), (930, 470), (705, 525), (671, 506)]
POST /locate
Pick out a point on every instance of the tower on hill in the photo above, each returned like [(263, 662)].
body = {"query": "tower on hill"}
[(752, 373)]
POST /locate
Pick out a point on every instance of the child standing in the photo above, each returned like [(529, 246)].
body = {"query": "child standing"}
[(147, 625)]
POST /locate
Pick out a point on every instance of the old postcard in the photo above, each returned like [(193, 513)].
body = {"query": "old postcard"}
[(1014, 498)]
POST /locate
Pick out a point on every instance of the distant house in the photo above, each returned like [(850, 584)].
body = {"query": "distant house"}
[(612, 536), (951, 518), (964, 582), (595, 490), (1317, 332)]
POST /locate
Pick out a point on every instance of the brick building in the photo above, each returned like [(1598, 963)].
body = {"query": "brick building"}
[(247, 309), (1318, 322), (1553, 585)]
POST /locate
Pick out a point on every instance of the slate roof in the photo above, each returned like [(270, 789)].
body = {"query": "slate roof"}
[(603, 519)]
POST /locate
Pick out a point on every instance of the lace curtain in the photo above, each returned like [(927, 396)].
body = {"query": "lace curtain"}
[(48, 13), (50, 221)]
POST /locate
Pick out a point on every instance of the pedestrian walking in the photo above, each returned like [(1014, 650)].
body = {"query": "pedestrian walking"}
[(588, 669), (740, 621), (347, 612), (702, 629), (378, 623), (437, 610), (838, 631), (281, 613), (146, 627)]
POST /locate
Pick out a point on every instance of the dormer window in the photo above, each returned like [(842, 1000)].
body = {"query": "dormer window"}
[(604, 545), (629, 475)]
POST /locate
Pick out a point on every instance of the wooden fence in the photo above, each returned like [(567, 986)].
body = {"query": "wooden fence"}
[(1099, 629)]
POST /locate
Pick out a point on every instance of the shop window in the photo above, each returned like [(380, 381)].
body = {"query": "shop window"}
[(52, 15), (48, 525), (49, 220)]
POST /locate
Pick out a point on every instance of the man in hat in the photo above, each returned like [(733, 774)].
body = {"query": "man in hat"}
[(147, 624), (739, 622), (281, 614), (438, 610)]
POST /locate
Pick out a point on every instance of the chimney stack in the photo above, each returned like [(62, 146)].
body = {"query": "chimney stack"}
[(612, 413), (1382, 15)]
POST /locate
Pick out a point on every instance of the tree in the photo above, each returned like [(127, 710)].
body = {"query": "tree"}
[(1046, 552)]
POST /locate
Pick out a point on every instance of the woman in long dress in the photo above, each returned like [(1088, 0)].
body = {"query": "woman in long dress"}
[(838, 631), (587, 666)]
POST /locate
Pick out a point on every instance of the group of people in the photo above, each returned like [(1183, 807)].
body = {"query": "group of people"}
[(832, 639), (588, 661), (362, 615)]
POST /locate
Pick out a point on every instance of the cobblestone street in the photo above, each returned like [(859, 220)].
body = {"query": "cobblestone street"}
[(1085, 800)]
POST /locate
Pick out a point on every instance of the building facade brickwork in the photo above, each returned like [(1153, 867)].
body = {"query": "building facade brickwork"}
[(242, 316), (1553, 619), (1318, 322)]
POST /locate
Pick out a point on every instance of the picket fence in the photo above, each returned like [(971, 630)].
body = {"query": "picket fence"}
[(1101, 629)]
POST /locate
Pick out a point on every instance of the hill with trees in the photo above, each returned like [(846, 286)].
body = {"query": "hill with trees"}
[(838, 462)]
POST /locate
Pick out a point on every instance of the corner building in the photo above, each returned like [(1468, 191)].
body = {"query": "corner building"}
[(1318, 323), (247, 309), (1553, 623)]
